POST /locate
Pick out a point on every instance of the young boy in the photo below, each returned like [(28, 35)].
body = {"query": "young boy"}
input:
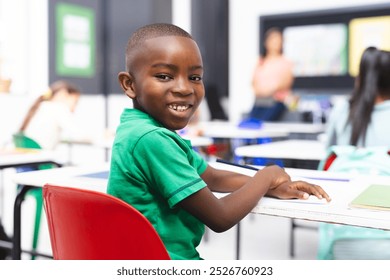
[(156, 171)]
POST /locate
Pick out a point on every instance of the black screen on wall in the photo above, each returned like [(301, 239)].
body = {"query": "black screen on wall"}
[(325, 46)]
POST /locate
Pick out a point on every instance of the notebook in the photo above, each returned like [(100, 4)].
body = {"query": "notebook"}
[(374, 197)]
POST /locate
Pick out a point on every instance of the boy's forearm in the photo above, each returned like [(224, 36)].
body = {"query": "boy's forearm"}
[(231, 183), (227, 181)]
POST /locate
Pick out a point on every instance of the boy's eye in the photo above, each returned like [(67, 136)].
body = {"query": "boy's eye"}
[(196, 78), (163, 77)]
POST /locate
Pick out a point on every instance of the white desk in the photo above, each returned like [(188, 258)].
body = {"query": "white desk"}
[(339, 186), (293, 153), (229, 130), (226, 129), (70, 176), (298, 128), (16, 157), (288, 149)]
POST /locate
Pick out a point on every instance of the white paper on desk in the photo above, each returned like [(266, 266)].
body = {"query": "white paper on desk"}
[(311, 200)]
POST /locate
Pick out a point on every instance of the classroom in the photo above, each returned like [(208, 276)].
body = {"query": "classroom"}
[(324, 43)]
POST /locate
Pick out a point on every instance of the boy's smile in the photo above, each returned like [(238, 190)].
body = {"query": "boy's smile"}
[(166, 80)]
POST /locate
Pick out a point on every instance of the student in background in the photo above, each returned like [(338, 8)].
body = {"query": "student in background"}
[(363, 119), (272, 80), (156, 171), (50, 117), (360, 122)]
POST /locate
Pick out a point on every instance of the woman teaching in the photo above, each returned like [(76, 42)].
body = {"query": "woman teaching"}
[(272, 79)]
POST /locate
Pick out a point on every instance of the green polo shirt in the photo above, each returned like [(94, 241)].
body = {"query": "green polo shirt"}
[(153, 169)]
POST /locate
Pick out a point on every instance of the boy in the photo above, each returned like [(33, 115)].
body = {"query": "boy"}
[(156, 171)]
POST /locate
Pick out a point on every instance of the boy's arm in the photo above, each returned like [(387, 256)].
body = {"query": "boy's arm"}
[(223, 213), (227, 181), (218, 180)]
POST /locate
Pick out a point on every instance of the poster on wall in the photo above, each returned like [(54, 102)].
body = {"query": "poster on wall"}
[(366, 32), (75, 41), (317, 50)]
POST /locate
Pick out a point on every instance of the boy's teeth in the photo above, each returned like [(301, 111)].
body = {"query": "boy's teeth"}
[(179, 108)]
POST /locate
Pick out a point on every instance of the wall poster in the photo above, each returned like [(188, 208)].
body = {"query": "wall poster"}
[(75, 40)]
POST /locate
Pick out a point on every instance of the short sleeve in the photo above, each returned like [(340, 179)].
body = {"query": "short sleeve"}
[(169, 165)]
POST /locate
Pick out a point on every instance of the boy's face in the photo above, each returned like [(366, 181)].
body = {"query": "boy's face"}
[(166, 81)]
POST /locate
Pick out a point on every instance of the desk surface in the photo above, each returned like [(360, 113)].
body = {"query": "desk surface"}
[(16, 156), (294, 127), (341, 187), (229, 130), (226, 129), (71, 176), (288, 149)]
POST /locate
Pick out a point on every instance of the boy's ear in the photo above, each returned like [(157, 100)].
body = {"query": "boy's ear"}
[(126, 82)]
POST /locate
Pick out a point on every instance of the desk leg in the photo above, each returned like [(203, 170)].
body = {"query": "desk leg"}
[(238, 241), (292, 239), (17, 246), (2, 194)]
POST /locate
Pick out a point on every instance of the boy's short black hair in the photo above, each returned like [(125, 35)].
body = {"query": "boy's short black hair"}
[(151, 31)]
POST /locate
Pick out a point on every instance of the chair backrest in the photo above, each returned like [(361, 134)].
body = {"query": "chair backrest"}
[(349, 242), (89, 225), (347, 158), (22, 141)]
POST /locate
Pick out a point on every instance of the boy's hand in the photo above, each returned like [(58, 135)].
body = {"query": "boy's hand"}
[(277, 175), (298, 189)]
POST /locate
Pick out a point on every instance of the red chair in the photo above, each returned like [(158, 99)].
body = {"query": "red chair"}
[(89, 225)]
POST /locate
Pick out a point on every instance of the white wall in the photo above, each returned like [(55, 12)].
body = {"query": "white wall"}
[(25, 43), (181, 14), (244, 41)]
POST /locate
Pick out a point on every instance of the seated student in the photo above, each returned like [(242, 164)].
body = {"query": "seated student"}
[(50, 117), (362, 120), (156, 171)]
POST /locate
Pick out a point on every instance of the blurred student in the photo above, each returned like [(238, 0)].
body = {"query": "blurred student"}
[(50, 118), (272, 80), (362, 120), (158, 172)]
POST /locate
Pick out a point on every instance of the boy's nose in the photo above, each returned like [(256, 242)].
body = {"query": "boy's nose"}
[(183, 86)]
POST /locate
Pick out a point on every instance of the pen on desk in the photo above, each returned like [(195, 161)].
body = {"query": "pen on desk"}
[(238, 165), (305, 177)]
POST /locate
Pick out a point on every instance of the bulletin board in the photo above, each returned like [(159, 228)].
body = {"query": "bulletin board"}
[(75, 40), (87, 39), (75, 43)]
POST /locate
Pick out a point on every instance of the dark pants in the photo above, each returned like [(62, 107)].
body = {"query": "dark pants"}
[(272, 113)]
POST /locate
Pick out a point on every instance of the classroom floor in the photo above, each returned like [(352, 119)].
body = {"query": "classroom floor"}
[(262, 237)]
